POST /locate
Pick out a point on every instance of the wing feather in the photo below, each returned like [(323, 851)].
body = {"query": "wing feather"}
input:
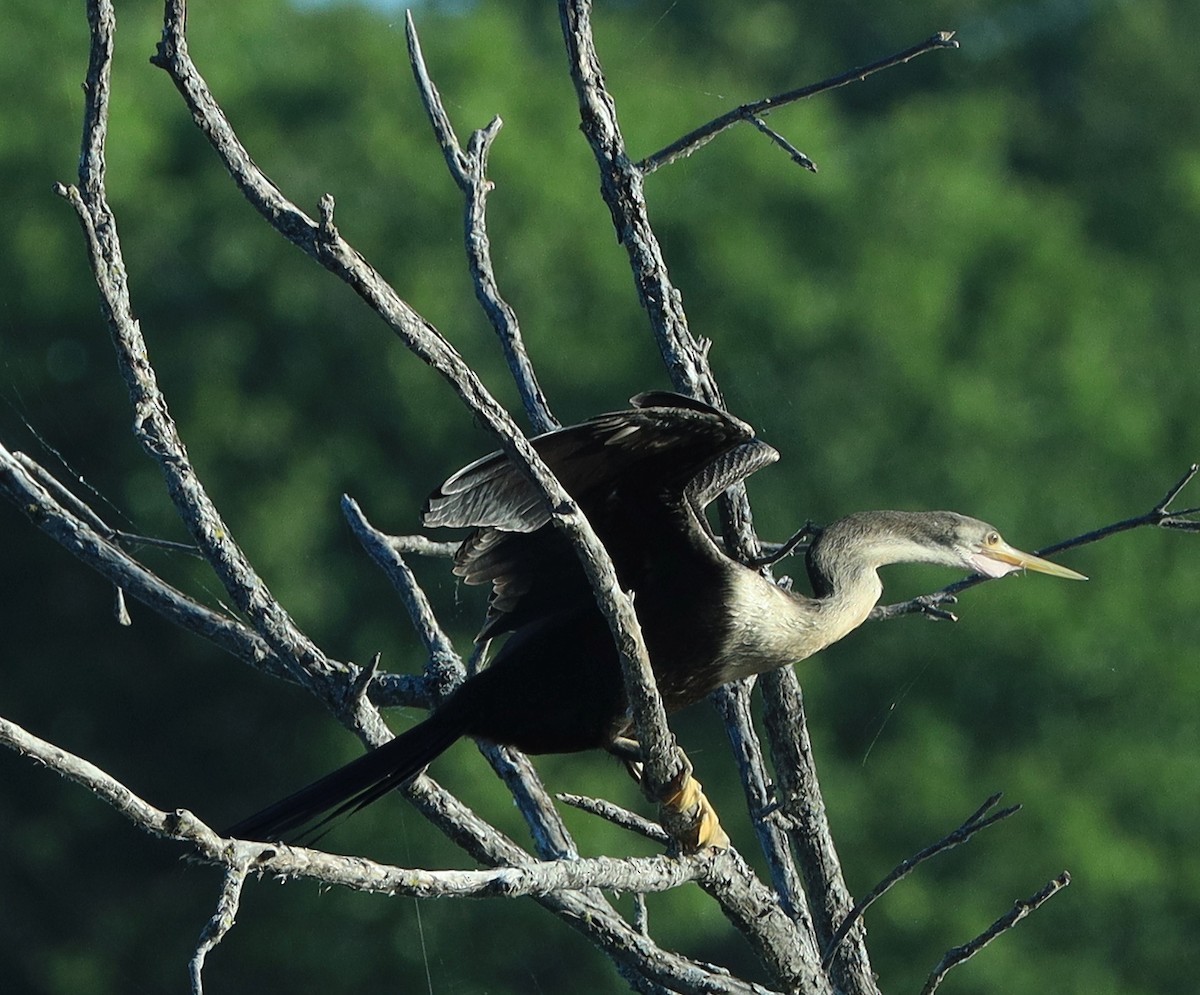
[(631, 471)]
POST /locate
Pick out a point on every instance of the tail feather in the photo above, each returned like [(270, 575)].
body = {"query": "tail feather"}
[(357, 784)]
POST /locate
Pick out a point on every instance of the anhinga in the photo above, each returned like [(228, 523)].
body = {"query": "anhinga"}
[(642, 477)]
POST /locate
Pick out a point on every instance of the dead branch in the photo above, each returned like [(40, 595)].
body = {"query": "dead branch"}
[(1006, 922), (733, 703), (222, 920), (647, 874), (977, 820), (112, 562), (751, 112), (618, 816), (803, 809), (469, 170), (154, 427)]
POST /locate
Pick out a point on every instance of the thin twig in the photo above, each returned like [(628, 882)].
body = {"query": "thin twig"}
[(469, 170), (693, 140), (360, 687), (774, 552), (798, 157), (423, 546), (641, 915), (974, 823), (220, 923), (444, 669), (617, 815), (69, 500), (1006, 922)]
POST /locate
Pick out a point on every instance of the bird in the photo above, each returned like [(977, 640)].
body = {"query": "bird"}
[(642, 477)]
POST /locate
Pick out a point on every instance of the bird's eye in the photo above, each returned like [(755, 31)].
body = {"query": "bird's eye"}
[(992, 539)]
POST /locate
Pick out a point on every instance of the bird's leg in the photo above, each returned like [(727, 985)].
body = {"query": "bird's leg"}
[(629, 752), (689, 816), (684, 810), (773, 553)]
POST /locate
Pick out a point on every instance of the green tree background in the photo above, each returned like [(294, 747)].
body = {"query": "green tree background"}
[(988, 299)]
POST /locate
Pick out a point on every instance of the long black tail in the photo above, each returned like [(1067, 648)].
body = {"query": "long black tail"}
[(357, 784)]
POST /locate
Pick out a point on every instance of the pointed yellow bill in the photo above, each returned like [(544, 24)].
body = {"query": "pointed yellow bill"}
[(997, 558)]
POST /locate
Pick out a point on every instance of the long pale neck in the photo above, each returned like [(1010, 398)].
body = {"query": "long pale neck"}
[(843, 565), (845, 602), (770, 627), (840, 607)]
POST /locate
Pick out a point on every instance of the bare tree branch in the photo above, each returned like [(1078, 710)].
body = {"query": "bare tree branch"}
[(118, 566), (803, 807), (68, 500), (617, 815), (647, 874), (622, 189), (27, 490), (469, 170), (798, 157), (733, 703), (153, 426), (222, 920), (979, 819), (554, 883), (445, 671), (423, 546), (750, 112), (1006, 922)]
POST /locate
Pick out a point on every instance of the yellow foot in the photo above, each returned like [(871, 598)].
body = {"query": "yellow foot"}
[(684, 807)]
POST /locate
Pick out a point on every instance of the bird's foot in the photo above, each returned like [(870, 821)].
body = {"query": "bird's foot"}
[(689, 816)]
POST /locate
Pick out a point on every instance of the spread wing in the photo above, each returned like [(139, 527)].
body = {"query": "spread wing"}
[(637, 475)]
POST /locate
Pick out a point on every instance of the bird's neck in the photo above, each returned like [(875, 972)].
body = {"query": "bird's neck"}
[(844, 602), (770, 627)]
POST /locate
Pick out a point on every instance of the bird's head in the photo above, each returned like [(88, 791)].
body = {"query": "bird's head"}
[(873, 539)]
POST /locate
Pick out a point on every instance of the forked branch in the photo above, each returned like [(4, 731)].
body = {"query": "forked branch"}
[(979, 819), (755, 110), (1019, 911), (469, 169)]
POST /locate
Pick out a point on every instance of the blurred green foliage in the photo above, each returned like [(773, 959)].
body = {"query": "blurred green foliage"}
[(987, 299)]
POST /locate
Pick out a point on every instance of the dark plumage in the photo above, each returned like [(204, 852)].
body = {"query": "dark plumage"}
[(642, 477)]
